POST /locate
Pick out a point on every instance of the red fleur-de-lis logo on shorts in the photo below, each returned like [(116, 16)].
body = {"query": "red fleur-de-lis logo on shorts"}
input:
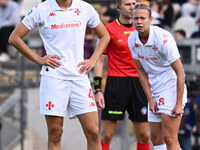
[(50, 105), (161, 101), (77, 11)]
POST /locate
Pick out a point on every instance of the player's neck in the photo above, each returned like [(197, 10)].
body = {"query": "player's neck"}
[(64, 4), (125, 21), (143, 37)]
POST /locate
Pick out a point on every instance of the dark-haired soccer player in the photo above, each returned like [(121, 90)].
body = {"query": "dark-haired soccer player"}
[(64, 86)]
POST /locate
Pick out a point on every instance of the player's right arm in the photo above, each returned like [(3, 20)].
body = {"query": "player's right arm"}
[(143, 77), (98, 72), (16, 39)]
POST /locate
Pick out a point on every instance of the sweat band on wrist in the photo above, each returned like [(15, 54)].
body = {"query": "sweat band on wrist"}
[(97, 82), (97, 91)]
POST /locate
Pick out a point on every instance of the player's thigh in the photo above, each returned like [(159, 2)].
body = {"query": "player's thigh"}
[(54, 122), (170, 125), (156, 133), (108, 127), (89, 122), (141, 129)]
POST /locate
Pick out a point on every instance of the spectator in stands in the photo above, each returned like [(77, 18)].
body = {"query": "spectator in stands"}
[(167, 14), (9, 18), (179, 34), (179, 2), (187, 123), (144, 2), (197, 33), (192, 8), (107, 14), (155, 10)]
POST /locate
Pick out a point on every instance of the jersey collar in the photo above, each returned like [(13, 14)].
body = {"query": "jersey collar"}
[(150, 39), (56, 7)]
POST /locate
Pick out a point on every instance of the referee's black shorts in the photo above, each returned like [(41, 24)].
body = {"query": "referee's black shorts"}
[(121, 94)]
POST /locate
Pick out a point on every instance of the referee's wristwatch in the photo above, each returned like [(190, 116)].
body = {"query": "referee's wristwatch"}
[(96, 91)]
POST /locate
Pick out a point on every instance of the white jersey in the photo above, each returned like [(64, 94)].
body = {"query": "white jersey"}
[(156, 56), (63, 33)]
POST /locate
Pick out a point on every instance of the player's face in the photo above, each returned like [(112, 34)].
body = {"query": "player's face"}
[(126, 8), (141, 20)]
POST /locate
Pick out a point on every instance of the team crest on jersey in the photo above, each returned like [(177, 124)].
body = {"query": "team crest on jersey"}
[(155, 48), (77, 11), (144, 110)]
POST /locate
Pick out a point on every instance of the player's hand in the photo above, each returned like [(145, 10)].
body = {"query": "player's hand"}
[(86, 66), (50, 60), (153, 106), (178, 110), (100, 100)]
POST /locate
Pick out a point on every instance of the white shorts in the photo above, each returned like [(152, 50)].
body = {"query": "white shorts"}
[(165, 104), (57, 96)]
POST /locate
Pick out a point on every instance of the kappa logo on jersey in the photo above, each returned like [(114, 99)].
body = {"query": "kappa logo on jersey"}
[(74, 24), (136, 45), (90, 95), (165, 41), (50, 105), (51, 14), (155, 48), (161, 101), (77, 11)]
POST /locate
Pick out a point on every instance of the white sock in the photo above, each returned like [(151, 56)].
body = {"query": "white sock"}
[(160, 147)]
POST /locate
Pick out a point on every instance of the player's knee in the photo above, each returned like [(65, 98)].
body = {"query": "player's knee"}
[(156, 140), (168, 139), (93, 134), (55, 134), (143, 137), (106, 137)]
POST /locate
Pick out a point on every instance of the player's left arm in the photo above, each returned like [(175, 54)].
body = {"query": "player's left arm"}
[(178, 68), (104, 39)]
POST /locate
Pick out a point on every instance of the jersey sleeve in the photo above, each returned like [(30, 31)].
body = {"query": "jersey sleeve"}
[(170, 50), (131, 45), (31, 19), (93, 17)]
